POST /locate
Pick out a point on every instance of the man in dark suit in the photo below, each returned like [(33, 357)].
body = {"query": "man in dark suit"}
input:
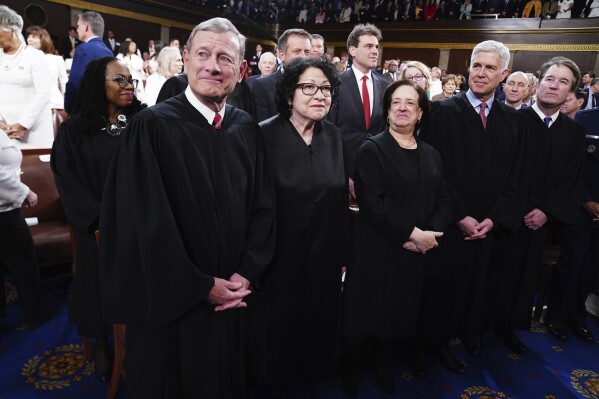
[(90, 28), (68, 43), (587, 79), (392, 75), (505, 8), (293, 43), (407, 12), (255, 59), (111, 43), (594, 94), (359, 114)]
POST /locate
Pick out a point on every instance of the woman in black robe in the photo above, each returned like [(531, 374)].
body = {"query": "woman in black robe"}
[(298, 303), (80, 157), (404, 208)]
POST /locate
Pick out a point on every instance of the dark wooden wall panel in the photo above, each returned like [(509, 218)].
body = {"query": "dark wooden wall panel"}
[(458, 60), (139, 31), (58, 16), (531, 61), (430, 57)]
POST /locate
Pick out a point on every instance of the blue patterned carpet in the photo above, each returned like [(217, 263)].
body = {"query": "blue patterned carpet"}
[(48, 363)]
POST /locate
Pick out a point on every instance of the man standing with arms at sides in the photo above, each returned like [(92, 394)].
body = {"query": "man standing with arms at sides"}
[(516, 89), (187, 227), (359, 112), (556, 156), (293, 43), (576, 269), (90, 28), (317, 42), (483, 144), (111, 43)]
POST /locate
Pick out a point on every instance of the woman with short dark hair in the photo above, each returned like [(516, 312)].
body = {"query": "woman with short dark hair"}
[(80, 158), (298, 303)]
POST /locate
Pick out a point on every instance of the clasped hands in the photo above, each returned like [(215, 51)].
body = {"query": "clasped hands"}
[(422, 240), (229, 294), (592, 208), (14, 131), (473, 230)]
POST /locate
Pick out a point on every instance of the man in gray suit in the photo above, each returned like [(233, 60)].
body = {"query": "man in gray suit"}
[(392, 75)]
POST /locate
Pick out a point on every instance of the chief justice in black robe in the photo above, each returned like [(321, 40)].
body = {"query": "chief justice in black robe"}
[(187, 219), (298, 305)]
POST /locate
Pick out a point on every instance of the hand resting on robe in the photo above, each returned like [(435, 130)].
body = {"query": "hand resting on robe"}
[(473, 230), (535, 219), (229, 294), (422, 240)]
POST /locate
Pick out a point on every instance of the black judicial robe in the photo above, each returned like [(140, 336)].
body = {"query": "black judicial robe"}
[(184, 204), (80, 159), (298, 305), (556, 158), (487, 174), (397, 190)]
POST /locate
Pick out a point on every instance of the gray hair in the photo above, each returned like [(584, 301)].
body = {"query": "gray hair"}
[(515, 73), (218, 25), (95, 22), (164, 59), (316, 36), (492, 46), (10, 20)]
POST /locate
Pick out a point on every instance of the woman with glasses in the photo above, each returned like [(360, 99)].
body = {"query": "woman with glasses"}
[(297, 304), (418, 74), (80, 158)]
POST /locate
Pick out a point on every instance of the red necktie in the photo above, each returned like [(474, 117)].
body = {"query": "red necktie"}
[(217, 122), (483, 117), (365, 101)]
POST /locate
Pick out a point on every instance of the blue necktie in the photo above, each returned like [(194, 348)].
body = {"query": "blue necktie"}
[(547, 120)]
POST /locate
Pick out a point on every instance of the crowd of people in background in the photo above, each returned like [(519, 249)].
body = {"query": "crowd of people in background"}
[(179, 155), (348, 11)]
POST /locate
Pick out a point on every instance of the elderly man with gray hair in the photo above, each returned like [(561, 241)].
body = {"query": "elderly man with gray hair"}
[(187, 225), (483, 146)]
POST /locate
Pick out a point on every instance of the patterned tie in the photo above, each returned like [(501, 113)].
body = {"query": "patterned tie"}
[(366, 101), (482, 115), (547, 120), (217, 122)]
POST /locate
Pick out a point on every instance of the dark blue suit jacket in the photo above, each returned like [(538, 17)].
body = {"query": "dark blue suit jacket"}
[(589, 119), (84, 54)]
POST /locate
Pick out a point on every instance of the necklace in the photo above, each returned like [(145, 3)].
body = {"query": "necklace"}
[(115, 129), (14, 58), (411, 144)]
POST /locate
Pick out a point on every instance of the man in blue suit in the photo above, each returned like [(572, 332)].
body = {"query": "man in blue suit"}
[(90, 28)]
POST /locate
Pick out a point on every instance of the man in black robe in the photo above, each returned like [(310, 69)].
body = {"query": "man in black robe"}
[(556, 158), (577, 268), (187, 222), (482, 143)]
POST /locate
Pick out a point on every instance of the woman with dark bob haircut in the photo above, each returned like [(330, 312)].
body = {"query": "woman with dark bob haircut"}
[(80, 157), (298, 304), (404, 208)]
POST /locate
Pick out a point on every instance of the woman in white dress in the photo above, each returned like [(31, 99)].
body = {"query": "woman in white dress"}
[(594, 9), (169, 64), (25, 113), (135, 64), (39, 38)]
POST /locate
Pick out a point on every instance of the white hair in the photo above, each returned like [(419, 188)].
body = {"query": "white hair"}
[(492, 46)]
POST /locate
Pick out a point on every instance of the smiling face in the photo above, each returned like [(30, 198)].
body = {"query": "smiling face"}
[(213, 67), (554, 88), (449, 87), (118, 97), (365, 55), (310, 107), (404, 111), (416, 76), (485, 74)]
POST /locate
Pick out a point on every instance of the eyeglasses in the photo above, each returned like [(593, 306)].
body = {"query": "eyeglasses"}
[(124, 82), (310, 89), (415, 78)]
